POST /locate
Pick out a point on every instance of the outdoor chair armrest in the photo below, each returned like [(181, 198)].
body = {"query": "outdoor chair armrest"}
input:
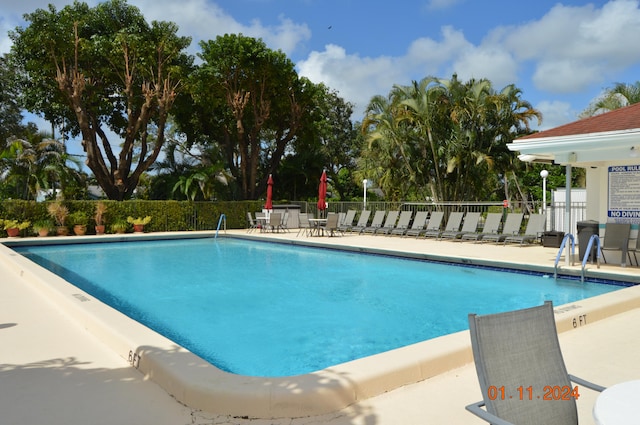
[(476, 409), (587, 384)]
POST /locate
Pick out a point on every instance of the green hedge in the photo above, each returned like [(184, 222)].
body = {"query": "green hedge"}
[(165, 215)]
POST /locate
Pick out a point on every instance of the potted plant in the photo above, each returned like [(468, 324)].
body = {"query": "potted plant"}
[(139, 223), (42, 227), (79, 222), (59, 213), (98, 216), (119, 226), (13, 227)]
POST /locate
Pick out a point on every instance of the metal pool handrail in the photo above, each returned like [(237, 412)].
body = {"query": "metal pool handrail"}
[(573, 251), (223, 218), (586, 254)]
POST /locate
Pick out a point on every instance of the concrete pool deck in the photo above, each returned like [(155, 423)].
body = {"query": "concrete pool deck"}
[(52, 370)]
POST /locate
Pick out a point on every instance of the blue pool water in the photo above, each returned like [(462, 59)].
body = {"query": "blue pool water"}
[(267, 309)]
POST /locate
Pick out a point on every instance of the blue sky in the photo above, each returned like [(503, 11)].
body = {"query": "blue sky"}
[(562, 55)]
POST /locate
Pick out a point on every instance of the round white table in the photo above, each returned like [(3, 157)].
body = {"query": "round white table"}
[(618, 405)]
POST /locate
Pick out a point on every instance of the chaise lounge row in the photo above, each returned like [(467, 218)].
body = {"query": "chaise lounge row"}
[(459, 226)]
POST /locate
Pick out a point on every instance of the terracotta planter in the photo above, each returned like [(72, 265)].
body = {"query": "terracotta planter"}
[(80, 229), (43, 232), (138, 228), (100, 229), (13, 232), (62, 231)]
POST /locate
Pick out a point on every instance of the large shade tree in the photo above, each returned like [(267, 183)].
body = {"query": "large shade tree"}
[(107, 75), (328, 141), (10, 113), (250, 104)]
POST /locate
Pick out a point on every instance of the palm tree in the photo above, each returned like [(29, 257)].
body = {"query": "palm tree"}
[(386, 140), (446, 135), (422, 101), (621, 94), (39, 163)]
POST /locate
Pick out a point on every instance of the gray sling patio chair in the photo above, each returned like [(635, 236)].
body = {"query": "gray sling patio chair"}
[(634, 250), (470, 225), (362, 221), (511, 227), (376, 222), (347, 221), (616, 238), (251, 223), (304, 226), (434, 223), (403, 223), (275, 222), (453, 224), (533, 231), (521, 370), (284, 223), (331, 227), (389, 223), (490, 227), (261, 221), (418, 225)]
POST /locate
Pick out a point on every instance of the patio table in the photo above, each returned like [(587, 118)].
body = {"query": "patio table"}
[(317, 225), (618, 404)]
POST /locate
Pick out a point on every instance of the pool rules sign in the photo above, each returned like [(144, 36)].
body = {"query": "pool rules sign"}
[(624, 194)]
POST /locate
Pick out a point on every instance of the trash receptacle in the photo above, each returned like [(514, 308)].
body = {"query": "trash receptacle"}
[(552, 239), (586, 229)]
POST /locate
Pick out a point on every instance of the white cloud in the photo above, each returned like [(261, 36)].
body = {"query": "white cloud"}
[(431, 54), (199, 19), (204, 20), (356, 78), (489, 62), (555, 113), (572, 48)]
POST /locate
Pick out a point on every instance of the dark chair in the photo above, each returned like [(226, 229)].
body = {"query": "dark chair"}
[(616, 238)]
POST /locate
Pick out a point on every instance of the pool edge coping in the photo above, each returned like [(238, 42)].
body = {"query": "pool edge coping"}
[(200, 385)]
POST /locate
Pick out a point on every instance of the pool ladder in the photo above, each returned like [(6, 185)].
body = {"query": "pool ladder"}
[(593, 239), (221, 221)]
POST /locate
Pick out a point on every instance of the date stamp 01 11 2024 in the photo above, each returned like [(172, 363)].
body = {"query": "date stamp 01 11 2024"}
[(549, 392)]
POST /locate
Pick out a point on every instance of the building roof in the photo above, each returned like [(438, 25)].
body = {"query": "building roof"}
[(627, 118)]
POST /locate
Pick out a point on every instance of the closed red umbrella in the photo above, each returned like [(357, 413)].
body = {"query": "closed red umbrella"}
[(322, 192), (269, 204)]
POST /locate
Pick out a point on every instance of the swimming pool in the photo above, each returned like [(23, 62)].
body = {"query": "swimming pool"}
[(392, 301)]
